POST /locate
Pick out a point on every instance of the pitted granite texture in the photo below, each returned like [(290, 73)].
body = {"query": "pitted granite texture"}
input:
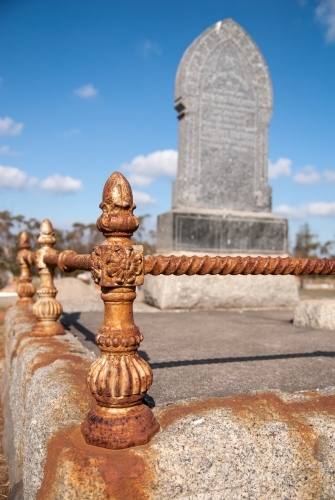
[(270, 446)]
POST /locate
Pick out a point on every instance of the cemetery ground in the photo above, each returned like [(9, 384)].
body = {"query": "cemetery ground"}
[(219, 353)]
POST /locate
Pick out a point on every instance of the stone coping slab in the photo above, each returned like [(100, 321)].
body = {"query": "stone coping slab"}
[(318, 314), (268, 445)]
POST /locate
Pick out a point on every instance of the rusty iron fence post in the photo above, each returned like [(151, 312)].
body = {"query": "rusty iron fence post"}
[(47, 309), (25, 258), (119, 378)]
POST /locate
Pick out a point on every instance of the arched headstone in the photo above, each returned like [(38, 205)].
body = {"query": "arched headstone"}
[(221, 197), (223, 96)]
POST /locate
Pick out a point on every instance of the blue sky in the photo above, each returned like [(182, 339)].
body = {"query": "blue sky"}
[(87, 88)]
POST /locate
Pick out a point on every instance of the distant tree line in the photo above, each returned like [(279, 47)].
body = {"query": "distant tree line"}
[(307, 245), (81, 238)]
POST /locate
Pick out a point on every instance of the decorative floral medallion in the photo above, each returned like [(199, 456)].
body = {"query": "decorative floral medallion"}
[(117, 265)]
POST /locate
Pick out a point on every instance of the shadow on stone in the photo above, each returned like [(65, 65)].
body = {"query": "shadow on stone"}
[(71, 319), (241, 359)]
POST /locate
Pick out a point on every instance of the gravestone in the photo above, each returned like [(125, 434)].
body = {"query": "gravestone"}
[(221, 197)]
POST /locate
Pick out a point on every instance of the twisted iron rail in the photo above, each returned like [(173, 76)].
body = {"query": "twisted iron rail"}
[(236, 265), (159, 264)]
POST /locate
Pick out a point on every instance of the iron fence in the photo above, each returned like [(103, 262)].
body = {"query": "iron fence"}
[(119, 379)]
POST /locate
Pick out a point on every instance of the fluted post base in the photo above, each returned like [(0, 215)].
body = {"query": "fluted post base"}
[(47, 329), (118, 428)]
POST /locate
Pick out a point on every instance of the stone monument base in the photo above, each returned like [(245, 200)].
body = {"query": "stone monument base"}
[(206, 292), (221, 231)]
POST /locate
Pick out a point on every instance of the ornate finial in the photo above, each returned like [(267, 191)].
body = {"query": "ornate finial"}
[(25, 288), (24, 241), (47, 309), (117, 207), (46, 237), (119, 378)]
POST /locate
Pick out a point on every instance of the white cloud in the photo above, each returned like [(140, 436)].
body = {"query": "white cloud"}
[(325, 13), (71, 132), (9, 127), (139, 180), (33, 181), (143, 170), (58, 184), (143, 198), (6, 151), (12, 178), (307, 176), (281, 167), (154, 164), (329, 175), (288, 211), (86, 91), (146, 48), (318, 209)]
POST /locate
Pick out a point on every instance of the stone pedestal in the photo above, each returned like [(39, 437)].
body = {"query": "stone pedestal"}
[(220, 231)]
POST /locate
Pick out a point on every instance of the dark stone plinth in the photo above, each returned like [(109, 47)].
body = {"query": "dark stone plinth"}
[(196, 231)]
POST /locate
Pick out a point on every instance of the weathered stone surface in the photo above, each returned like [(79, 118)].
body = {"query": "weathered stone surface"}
[(44, 390), (318, 314), (223, 95), (264, 445), (187, 292)]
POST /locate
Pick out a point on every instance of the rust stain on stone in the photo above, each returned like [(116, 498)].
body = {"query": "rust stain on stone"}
[(254, 410), (59, 351), (124, 474), (264, 406)]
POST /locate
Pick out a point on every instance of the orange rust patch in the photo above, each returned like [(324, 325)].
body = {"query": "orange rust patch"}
[(263, 406), (256, 409), (59, 350), (125, 474)]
